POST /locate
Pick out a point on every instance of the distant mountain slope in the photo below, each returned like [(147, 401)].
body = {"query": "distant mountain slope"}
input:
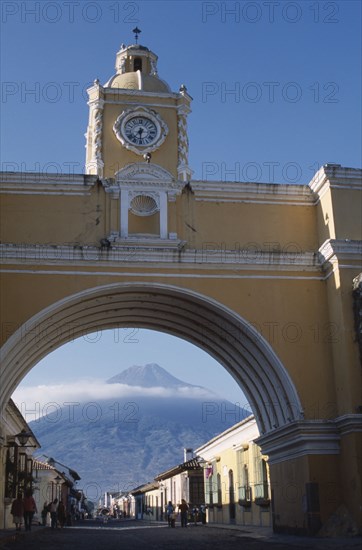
[(119, 444), (148, 376)]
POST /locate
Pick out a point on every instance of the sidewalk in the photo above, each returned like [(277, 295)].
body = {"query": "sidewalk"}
[(266, 534)]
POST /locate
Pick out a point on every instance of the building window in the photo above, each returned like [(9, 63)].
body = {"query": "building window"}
[(213, 492), (11, 472), (231, 496), (208, 493), (261, 486), (244, 489), (137, 64), (219, 491)]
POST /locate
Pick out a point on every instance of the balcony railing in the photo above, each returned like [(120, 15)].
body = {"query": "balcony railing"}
[(261, 494), (213, 498), (245, 496)]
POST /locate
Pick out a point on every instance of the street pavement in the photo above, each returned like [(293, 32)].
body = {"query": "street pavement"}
[(132, 535)]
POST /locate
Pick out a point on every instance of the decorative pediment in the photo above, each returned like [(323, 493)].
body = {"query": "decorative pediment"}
[(144, 171), (146, 177)]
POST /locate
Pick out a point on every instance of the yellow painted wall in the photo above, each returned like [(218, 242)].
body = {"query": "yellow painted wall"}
[(115, 156)]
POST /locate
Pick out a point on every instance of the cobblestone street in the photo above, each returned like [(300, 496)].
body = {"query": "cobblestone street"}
[(133, 535)]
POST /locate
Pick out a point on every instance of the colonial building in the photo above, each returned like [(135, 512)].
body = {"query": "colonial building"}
[(53, 483), (237, 483), (228, 476), (17, 467), (258, 275), (184, 481)]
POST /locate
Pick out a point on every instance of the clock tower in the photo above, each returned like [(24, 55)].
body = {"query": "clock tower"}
[(135, 117), (137, 143)]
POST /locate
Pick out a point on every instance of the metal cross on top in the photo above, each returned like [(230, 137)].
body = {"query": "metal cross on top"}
[(136, 31)]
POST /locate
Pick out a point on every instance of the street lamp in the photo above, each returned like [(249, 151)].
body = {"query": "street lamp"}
[(51, 461), (23, 437), (57, 480)]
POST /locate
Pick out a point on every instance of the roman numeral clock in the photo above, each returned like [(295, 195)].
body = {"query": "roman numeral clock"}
[(137, 144), (141, 131)]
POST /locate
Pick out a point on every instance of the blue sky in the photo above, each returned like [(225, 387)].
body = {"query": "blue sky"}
[(276, 86), (276, 89)]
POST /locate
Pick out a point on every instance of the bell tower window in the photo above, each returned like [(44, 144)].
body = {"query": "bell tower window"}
[(137, 64)]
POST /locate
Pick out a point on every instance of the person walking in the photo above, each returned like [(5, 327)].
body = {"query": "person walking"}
[(17, 511), (62, 514), (183, 507), (54, 514), (44, 513), (169, 513), (29, 509)]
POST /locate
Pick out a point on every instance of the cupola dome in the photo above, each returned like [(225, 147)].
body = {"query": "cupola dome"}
[(136, 68)]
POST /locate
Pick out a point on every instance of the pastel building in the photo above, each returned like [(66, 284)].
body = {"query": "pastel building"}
[(237, 483)]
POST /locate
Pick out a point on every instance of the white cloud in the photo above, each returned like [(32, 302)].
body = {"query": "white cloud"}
[(36, 401)]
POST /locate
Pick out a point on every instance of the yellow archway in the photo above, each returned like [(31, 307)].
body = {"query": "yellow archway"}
[(224, 334)]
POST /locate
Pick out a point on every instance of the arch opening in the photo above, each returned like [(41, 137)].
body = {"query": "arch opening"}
[(209, 325)]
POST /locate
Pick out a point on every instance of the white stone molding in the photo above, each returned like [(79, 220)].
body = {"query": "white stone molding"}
[(148, 180), (124, 207), (159, 198), (144, 178), (32, 183), (249, 192), (126, 115), (349, 423), (153, 63), (121, 249), (94, 135), (308, 437), (144, 171), (183, 170), (154, 175), (341, 252), (121, 65), (305, 437), (335, 176), (142, 94), (143, 203), (163, 215)]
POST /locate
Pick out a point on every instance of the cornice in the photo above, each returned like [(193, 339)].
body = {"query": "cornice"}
[(142, 177), (145, 185), (252, 192), (300, 439), (349, 423), (35, 183), (308, 437), (140, 93), (145, 250), (338, 250), (243, 432), (330, 176), (335, 176)]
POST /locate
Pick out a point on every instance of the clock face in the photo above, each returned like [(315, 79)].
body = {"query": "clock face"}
[(140, 130)]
